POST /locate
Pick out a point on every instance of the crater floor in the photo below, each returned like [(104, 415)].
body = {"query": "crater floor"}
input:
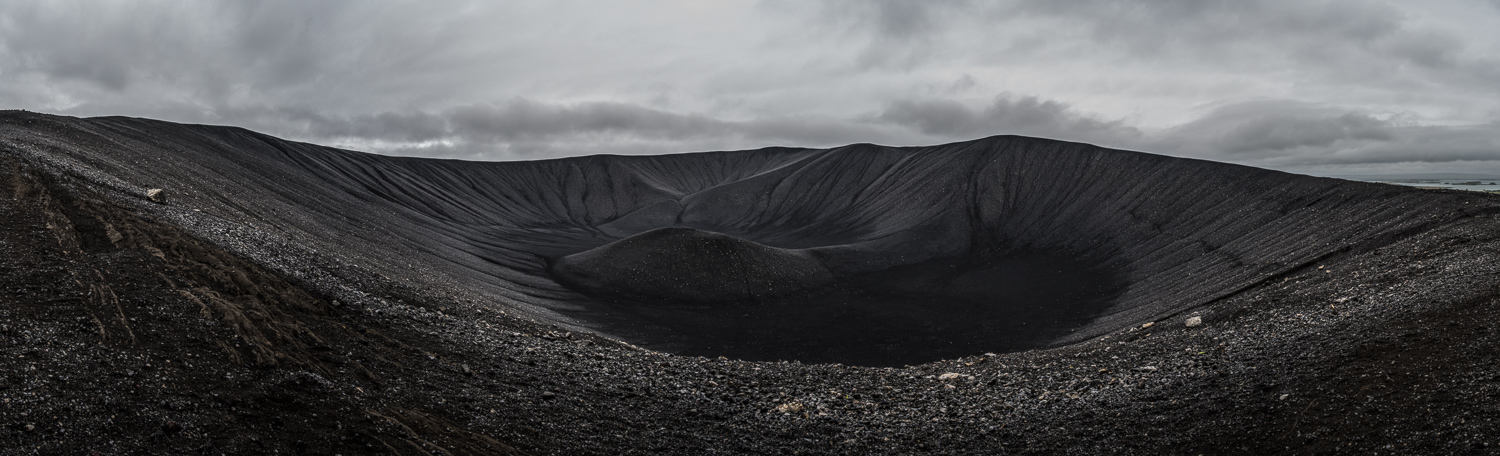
[(706, 294)]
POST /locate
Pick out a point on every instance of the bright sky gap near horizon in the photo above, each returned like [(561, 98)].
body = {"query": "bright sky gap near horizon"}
[(1311, 86)]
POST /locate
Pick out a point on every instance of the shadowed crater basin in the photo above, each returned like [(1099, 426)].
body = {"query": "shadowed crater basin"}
[(707, 294)]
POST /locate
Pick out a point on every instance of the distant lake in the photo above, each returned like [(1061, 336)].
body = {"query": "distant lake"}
[(1456, 184)]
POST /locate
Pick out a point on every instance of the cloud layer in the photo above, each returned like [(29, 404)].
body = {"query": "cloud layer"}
[(1324, 86)]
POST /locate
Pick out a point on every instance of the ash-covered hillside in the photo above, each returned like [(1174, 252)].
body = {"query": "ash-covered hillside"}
[(1037, 292)]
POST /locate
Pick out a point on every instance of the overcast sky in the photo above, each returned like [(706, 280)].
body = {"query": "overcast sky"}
[(1324, 87)]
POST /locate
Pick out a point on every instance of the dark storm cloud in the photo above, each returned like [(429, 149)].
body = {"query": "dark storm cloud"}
[(523, 119), (1006, 114), (1287, 133), (529, 126), (1430, 145), (1259, 129), (1433, 144), (526, 127)]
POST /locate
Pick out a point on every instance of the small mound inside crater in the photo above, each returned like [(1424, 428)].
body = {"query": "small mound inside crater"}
[(688, 266)]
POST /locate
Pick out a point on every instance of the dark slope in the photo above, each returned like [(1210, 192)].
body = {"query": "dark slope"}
[(1335, 317), (1021, 224), (123, 335)]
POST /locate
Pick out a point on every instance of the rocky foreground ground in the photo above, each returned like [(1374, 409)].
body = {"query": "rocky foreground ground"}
[(123, 334)]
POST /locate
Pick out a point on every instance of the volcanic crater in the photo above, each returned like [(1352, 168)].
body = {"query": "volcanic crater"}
[(999, 252), (862, 254)]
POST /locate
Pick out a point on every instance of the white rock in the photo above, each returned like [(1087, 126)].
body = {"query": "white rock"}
[(790, 407), (157, 196), (1194, 321)]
